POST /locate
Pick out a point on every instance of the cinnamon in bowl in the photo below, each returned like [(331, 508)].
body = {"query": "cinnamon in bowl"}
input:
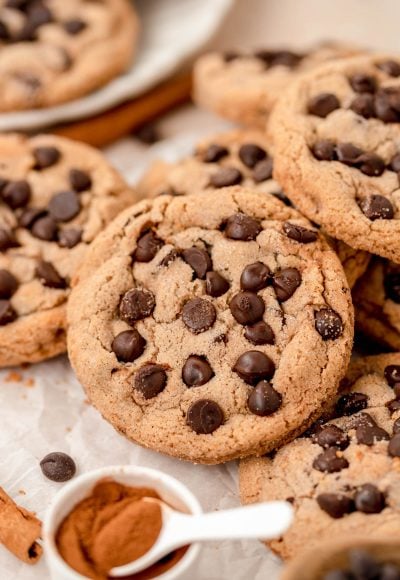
[(114, 525)]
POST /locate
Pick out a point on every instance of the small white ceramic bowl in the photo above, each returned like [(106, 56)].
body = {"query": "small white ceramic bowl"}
[(169, 489)]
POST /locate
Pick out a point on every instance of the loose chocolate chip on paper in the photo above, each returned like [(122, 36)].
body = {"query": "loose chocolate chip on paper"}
[(8, 284), (196, 371), (48, 275), (204, 416), (331, 436), (299, 233), (254, 366), (335, 504), (369, 499), (58, 467), (350, 404), (69, 238), (328, 324), (45, 228), (214, 153), (45, 157), (17, 193), (324, 150), (285, 283), (364, 105), (260, 333), (330, 461), (147, 247), (150, 380), (263, 170), (377, 207), (391, 284), (250, 154), (199, 260), (323, 104), (7, 313), (225, 177), (128, 345), (362, 83), (394, 446), (79, 180), (198, 315), (136, 305), (247, 307), (264, 399), (64, 206), (242, 227), (216, 285), (255, 277)]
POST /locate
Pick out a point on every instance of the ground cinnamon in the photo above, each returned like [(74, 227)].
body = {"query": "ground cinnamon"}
[(115, 525)]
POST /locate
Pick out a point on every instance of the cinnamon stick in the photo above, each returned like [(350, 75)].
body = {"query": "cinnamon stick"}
[(19, 530)]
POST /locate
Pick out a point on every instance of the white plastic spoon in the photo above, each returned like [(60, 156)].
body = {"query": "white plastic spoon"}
[(262, 521)]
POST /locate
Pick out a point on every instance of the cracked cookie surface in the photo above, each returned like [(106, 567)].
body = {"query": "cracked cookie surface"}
[(54, 51), (210, 328), (241, 156), (246, 87), (56, 195), (336, 134), (342, 477)]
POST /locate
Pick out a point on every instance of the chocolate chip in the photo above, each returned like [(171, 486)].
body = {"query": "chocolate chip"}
[(136, 305), (147, 247), (371, 165), (214, 153), (329, 461), (17, 194), (48, 275), (334, 504), (390, 67), (79, 180), (285, 283), (7, 312), (29, 216), (4, 32), (387, 104), (323, 104), (64, 206), (38, 15), (230, 55), (260, 333), (364, 105), (369, 499), (393, 406), (377, 207), (264, 400), (263, 170), (128, 345), (394, 446), (299, 234), (226, 176), (254, 366), (391, 284), (348, 154), (204, 416), (69, 238), (150, 380), (362, 83), (250, 154), (283, 198), (328, 324), (247, 307), (279, 57), (8, 284), (396, 426), (390, 572), (199, 260), (58, 467), (198, 315), (45, 157), (74, 26), (255, 277), (216, 285), (395, 163), (350, 404), (363, 566), (196, 371), (7, 240), (324, 150), (45, 228), (331, 436), (392, 372), (368, 434), (242, 227)]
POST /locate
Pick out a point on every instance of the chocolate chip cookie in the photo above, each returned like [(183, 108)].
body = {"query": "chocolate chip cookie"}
[(336, 133), (54, 51), (239, 156), (246, 87), (210, 327), (55, 197), (342, 476), (377, 303)]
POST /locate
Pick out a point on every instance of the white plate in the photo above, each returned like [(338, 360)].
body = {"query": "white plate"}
[(171, 31)]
